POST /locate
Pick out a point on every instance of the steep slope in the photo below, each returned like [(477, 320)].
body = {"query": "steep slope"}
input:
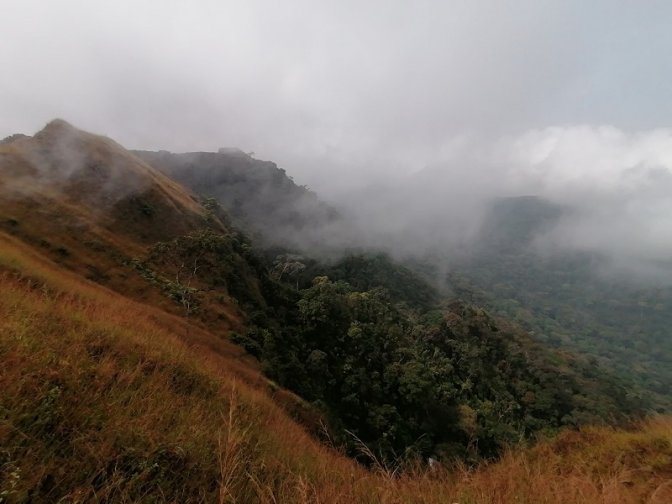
[(62, 167), (126, 389), (350, 350), (87, 201), (103, 399), (96, 208)]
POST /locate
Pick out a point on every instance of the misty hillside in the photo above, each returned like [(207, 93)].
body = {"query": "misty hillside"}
[(100, 211), (569, 299), (562, 297), (433, 265), (513, 223), (62, 170), (104, 400), (258, 194)]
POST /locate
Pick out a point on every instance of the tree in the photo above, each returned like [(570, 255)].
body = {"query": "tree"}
[(288, 265)]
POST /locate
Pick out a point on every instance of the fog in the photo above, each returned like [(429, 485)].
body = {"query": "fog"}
[(410, 117), (59, 160), (617, 185)]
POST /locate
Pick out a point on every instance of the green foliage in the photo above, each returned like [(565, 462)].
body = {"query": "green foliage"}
[(571, 300), (374, 351), (368, 271), (563, 302), (208, 257), (449, 383)]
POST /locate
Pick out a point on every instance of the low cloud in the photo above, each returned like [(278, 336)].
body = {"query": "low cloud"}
[(615, 185)]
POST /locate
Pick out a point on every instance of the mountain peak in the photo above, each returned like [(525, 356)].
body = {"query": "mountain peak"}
[(59, 123), (56, 128)]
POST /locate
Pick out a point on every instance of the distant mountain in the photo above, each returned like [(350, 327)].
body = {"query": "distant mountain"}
[(513, 223)]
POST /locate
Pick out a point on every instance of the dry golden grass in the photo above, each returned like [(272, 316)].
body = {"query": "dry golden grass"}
[(104, 399)]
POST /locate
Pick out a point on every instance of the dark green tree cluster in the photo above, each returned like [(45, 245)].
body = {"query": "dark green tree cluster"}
[(449, 383), (563, 301), (365, 271)]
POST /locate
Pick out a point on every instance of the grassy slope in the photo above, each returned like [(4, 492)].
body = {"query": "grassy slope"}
[(91, 206), (107, 399)]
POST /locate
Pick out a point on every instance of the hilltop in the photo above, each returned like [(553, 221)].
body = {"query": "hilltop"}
[(97, 209)]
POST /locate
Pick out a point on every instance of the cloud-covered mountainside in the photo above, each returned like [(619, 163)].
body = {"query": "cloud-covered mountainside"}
[(258, 194), (608, 296), (569, 298), (443, 228), (614, 185)]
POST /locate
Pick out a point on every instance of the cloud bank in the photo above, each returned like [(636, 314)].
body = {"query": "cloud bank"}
[(615, 185)]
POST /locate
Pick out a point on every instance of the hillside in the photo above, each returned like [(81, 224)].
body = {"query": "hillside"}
[(122, 294), (564, 298), (570, 299), (97, 209)]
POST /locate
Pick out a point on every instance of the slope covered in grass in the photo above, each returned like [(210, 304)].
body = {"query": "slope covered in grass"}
[(104, 398), (108, 400), (94, 208)]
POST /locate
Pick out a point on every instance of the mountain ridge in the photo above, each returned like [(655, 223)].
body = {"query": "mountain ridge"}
[(257, 193)]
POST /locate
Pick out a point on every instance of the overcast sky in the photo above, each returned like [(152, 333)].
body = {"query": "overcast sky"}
[(566, 98), (387, 85)]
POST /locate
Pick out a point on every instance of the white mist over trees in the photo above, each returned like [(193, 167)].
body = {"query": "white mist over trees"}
[(615, 185)]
